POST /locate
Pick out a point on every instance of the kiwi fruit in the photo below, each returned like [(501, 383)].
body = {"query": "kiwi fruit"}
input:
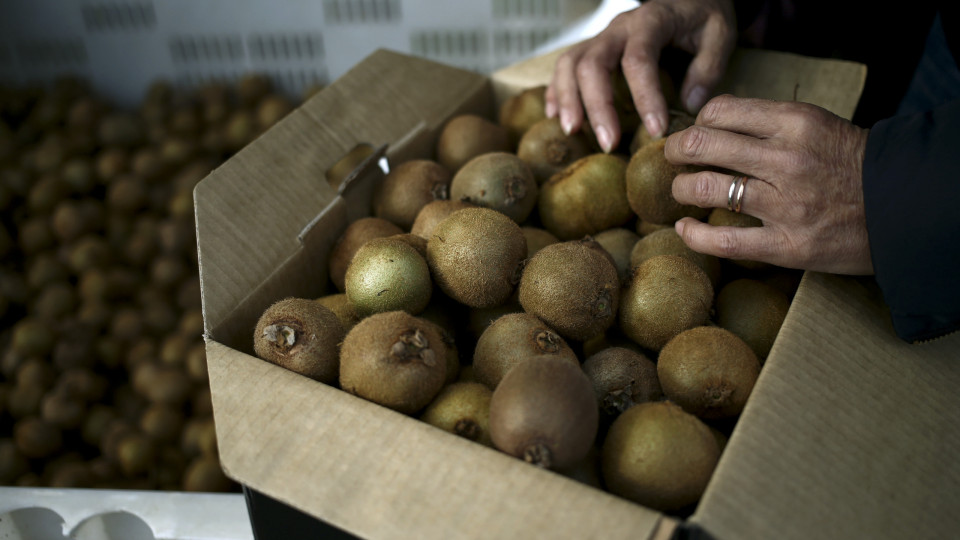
[(522, 111), (586, 197), (677, 120), (512, 339), (340, 305), (462, 408), (475, 256), (387, 274), (355, 235), (544, 412), (721, 217), (649, 183), (572, 287), (667, 242), (433, 213), (619, 243), (547, 150), (754, 311), (667, 294), (708, 371), (36, 438), (497, 180), (407, 188), (394, 359), (658, 455), (301, 335), (466, 136), (537, 238), (622, 378), (340, 170), (479, 319)]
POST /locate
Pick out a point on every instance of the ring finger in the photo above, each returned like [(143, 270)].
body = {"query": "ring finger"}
[(712, 189)]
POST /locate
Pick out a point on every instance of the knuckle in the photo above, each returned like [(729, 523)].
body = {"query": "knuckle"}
[(691, 141), (712, 111), (727, 245), (703, 190)]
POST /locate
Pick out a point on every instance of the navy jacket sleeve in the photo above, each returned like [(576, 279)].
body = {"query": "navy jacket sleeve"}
[(911, 184)]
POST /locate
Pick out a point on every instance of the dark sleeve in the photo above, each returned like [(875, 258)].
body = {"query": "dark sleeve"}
[(911, 189)]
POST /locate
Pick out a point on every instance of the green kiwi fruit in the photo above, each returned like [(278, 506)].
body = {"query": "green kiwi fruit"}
[(301, 335), (355, 235), (497, 180), (512, 339), (572, 287), (475, 256), (537, 238), (752, 310), (622, 378), (619, 243), (466, 136), (340, 305), (462, 408), (678, 120), (547, 150), (721, 217), (479, 319), (521, 111), (658, 455), (394, 359), (387, 274), (433, 213), (407, 188), (649, 182), (667, 294), (586, 197), (668, 242), (544, 412), (708, 371)]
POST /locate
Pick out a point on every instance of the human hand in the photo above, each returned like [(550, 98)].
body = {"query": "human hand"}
[(804, 166), (634, 39)]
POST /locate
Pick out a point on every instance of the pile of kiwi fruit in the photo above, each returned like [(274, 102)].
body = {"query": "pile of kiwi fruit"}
[(524, 290), (103, 377)]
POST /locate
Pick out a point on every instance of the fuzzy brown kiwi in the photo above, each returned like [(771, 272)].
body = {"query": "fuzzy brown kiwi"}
[(658, 455), (340, 305), (440, 313), (622, 378), (619, 243), (512, 339), (668, 242), (355, 235), (544, 412), (708, 371), (475, 256), (521, 111), (467, 136), (479, 319), (537, 238), (407, 188), (649, 182), (667, 294), (387, 274), (394, 359), (301, 335), (337, 173), (462, 408), (677, 121), (497, 180), (548, 150), (721, 217), (433, 213), (573, 287), (752, 310), (586, 197)]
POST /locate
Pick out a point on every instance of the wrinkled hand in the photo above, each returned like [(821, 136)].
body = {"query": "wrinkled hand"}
[(805, 183), (634, 39)]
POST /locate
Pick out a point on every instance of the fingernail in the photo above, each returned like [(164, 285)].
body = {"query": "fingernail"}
[(551, 109), (566, 123), (696, 98), (604, 138), (679, 227), (652, 123)]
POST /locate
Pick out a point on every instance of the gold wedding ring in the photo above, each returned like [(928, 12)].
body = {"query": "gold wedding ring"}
[(735, 194)]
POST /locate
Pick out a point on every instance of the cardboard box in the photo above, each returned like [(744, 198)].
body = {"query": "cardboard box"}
[(849, 431)]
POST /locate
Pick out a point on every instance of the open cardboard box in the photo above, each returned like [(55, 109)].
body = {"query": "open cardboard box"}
[(849, 432)]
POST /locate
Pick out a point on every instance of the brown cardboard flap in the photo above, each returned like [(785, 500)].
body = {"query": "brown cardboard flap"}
[(850, 431), (380, 474)]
